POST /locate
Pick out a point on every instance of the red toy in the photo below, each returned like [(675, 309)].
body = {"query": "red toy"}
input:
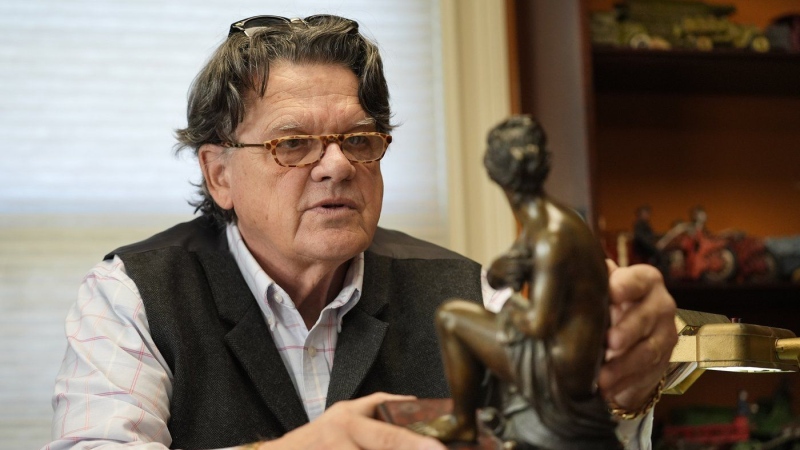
[(692, 253)]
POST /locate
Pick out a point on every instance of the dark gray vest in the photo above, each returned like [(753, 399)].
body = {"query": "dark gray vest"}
[(230, 384)]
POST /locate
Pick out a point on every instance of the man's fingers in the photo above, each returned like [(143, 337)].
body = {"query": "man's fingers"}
[(630, 284), (365, 406), (640, 303), (629, 380), (630, 376), (349, 425), (633, 325), (646, 357), (612, 266), (641, 336), (369, 434)]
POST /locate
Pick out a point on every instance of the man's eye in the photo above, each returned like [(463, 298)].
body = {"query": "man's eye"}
[(293, 144), (357, 141)]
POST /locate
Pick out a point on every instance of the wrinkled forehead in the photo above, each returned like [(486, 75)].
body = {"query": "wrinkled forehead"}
[(307, 98), (278, 69)]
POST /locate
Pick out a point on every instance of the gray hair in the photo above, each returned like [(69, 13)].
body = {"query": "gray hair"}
[(240, 67)]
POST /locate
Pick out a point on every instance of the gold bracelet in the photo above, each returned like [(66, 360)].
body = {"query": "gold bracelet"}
[(250, 446), (630, 415)]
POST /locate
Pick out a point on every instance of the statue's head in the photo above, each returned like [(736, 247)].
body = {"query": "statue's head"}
[(517, 158)]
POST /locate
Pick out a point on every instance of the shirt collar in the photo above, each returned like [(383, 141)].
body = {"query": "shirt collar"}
[(260, 283)]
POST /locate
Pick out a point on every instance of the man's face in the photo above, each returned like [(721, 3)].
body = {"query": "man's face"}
[(295, 217)]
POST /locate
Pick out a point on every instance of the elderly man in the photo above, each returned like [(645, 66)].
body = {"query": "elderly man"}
[(282, 316)]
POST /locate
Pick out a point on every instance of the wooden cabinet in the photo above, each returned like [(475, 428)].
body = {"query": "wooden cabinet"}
[(676, 129), (672, 129)]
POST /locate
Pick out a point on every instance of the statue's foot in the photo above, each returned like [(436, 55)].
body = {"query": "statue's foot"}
[(446, 429)]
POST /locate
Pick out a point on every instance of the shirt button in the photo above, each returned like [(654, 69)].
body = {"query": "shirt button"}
[(312, 351)]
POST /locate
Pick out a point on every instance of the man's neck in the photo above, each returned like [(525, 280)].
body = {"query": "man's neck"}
[(311, 299), (311, 288)]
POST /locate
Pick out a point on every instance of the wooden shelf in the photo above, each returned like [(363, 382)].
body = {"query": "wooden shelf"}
[(679, 128), (693, 72), (674, 129)]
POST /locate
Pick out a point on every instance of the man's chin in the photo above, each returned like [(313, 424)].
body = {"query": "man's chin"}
[(339, 243)]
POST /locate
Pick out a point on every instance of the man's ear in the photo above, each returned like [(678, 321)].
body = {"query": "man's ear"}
[(214, 164)]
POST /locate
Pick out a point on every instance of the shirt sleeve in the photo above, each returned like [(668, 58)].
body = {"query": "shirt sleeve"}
[(114, 387), (634, 434)]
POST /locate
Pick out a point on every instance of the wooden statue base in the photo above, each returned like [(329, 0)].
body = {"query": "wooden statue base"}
[(407, 412)]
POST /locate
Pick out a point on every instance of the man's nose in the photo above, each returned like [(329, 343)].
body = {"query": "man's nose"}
[(333, 165)]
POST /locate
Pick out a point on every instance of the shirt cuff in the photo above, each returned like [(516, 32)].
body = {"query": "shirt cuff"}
[(636, 434)]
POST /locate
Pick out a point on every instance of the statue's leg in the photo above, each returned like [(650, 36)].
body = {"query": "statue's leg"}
[(468, 337)]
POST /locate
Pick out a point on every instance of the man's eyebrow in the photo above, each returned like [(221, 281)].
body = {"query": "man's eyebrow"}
[(288, 126), (365, 122), (296, 127)]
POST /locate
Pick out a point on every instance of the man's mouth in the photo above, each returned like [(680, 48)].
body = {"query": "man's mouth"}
[(335, 204)]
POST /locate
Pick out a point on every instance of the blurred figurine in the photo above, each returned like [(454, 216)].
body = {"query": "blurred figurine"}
[(699, 218), (545, 350), (695, 254), (742, 405), (644, 239), (692, 252), (784, 33), (754, 262), (787, 254)]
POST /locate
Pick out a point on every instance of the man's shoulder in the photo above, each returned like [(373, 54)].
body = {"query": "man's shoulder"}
[(200, 234), (398, 245)]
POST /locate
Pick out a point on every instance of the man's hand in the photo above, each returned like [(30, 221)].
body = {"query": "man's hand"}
[(349, 425), (641, 336)]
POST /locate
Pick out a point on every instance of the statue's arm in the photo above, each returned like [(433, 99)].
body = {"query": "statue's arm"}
[(512, 269)]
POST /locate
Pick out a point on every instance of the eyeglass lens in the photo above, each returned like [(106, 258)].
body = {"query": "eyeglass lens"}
[(307, 150)]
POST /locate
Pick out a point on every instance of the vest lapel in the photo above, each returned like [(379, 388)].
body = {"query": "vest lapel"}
[(356, 350), (362, 333), (250, 340), (253, 346)]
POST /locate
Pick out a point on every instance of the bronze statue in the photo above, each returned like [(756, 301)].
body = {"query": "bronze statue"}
[(545, 350)]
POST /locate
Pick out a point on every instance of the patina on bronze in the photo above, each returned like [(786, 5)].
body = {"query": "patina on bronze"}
[(545, 350)]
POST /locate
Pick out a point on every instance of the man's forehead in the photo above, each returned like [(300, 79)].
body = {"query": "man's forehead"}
[(307, 99), (305, 79), (292, 124)]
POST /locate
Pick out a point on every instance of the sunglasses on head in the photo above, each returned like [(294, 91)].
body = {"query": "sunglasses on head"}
[(252, 24)]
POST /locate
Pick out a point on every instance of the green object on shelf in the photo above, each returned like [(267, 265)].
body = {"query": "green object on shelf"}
[(772, 414), (702, 415)]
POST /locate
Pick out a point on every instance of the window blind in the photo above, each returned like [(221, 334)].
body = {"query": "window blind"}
[(92, 91)]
